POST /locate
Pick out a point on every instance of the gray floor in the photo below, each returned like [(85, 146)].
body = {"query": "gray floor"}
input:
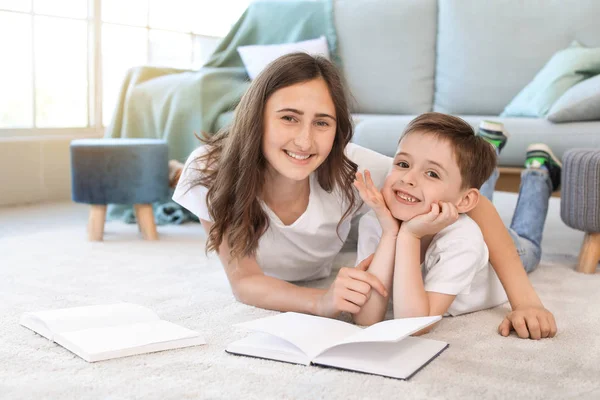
[(34, 218), (46, 263), (42, 217)]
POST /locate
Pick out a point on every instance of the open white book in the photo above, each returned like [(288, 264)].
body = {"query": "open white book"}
[(385, 348), (102, 332)]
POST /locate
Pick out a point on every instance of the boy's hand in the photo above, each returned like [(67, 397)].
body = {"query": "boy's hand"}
[(350, 290), (374, 199), (434, 221), (529, 322)]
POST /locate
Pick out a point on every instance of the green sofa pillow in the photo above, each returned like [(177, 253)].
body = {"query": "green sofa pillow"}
[(565, 69), (580, 103)]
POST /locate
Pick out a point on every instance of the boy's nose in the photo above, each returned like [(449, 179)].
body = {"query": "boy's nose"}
[(409, 178)]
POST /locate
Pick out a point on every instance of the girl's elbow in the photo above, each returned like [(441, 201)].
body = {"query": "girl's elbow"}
[(241, 293)]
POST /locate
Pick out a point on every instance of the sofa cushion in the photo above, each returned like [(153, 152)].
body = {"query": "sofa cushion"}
[(580, 103), (381, 133), (389, 62), (257, 57), (564, 70), (489, 50)]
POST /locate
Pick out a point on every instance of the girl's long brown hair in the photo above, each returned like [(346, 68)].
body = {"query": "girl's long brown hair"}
[(233, 168)]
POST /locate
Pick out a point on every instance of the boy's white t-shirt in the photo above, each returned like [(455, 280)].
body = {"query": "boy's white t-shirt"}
[(456, 263), (305, 249)]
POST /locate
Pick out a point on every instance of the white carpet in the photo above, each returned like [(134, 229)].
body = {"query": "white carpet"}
[(46, 262)]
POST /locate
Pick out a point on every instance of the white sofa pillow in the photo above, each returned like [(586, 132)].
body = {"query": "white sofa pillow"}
[(257, 57)]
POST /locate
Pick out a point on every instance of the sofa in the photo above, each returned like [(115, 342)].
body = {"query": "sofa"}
[(469, 58), (400, 58)]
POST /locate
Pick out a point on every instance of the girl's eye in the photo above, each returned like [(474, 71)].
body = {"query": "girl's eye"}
[(322, 124), (402, 164), (288, 118), (432, 174)]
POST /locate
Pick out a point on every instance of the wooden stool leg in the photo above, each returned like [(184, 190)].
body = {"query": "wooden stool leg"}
[(145, 220), (96, 223), (589, 256)]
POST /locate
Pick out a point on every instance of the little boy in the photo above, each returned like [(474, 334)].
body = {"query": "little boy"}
[(427, 250)]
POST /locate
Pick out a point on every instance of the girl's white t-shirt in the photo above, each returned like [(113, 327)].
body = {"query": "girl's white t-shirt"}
[(304, 250)]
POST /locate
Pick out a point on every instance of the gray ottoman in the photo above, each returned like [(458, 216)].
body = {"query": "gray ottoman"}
[(120, 171), (580, 202)]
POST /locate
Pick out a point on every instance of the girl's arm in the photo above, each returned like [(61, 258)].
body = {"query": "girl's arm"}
[(251, 286), (529, 318)]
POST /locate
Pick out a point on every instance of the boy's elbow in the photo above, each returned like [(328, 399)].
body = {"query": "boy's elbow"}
[(366, 320), (362, 321), (425, 330)]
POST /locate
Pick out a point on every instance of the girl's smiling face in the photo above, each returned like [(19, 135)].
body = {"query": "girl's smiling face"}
[(299, 129)]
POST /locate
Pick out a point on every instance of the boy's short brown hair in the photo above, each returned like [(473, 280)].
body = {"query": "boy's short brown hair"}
[(475, 157)]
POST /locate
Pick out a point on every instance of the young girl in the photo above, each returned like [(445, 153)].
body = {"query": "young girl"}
[(275, 194)]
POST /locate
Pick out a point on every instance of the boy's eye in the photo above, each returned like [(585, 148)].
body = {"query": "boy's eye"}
[(402, 164), (432, 174)]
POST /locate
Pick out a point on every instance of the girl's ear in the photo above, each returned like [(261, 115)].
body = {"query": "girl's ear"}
[(468, 201)]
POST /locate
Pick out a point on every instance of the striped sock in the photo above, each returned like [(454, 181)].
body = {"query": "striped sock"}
[(493, 133)]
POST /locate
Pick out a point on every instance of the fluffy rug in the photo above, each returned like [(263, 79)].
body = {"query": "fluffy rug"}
[(51, 265)]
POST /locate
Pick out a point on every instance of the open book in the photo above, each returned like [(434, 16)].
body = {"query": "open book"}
[(97, 333), (385, 348)]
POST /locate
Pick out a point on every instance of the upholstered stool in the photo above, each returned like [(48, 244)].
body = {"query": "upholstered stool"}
[(580, 202), (120, 171)]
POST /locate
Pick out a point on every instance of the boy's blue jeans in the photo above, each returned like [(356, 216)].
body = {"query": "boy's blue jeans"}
[(530, 213)]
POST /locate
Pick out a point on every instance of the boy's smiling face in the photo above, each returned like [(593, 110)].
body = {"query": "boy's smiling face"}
[(425, 171)]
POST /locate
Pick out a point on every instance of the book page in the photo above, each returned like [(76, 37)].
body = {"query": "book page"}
[(398, 360), (49, 323), (392, 330), (309, 333), (267, 346), (95, 342)]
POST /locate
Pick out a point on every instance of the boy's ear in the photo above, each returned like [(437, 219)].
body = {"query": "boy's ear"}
[(468, 201)]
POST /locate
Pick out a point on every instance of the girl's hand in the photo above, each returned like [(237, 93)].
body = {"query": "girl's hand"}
[(534, 322), (374, 199), (350, 290), (438, 218)]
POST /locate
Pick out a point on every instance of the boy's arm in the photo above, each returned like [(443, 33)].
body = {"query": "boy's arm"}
[(410, 297), (382, 267), (529, 318)]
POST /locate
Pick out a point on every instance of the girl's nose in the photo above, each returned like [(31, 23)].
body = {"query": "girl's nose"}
[(304, 138)]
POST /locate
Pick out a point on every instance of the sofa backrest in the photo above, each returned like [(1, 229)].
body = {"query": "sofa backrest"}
[(487, 51), (387, 49)]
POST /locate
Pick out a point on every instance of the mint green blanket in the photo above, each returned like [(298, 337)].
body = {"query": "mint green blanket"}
[(174, 104)]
